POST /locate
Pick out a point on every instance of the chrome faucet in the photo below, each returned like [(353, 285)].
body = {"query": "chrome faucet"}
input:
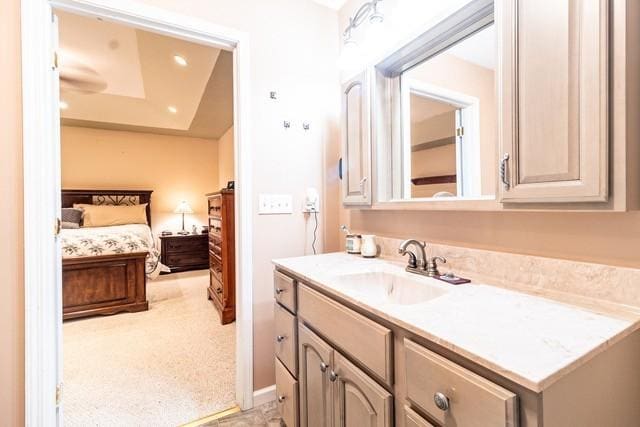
[(418, 262)]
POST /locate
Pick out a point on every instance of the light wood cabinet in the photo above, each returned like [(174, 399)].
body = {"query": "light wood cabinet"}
[(286, 395), (554, 92), (316, 394), (358, 400), (356, 141)]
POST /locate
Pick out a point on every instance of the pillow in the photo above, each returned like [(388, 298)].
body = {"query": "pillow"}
[(104, 215), (71, 217)]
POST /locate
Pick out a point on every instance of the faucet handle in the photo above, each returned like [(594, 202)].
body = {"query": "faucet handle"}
[(432, 265)]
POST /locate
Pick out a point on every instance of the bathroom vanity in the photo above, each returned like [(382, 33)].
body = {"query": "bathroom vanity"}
[(362, 342)]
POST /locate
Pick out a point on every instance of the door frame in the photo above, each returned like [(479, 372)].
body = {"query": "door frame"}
[(41, 159)]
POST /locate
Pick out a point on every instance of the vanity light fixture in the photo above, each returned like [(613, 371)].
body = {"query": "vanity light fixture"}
[(370, 9), (63, 105), (172, 109), (180, 60)]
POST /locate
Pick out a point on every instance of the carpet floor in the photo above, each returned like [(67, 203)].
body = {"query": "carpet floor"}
[(163, 367)]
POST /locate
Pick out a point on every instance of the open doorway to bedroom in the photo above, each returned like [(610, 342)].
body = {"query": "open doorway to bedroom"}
[(148, 220)]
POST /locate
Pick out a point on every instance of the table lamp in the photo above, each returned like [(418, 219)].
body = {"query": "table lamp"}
[(183, 208)]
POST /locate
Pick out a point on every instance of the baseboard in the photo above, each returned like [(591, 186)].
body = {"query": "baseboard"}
[(264, 395)]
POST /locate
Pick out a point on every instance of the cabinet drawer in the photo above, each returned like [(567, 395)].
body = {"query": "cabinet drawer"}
[(215, 227), (186, 245), (284, 289), (215, 265), (472, 400), (286, 395), (286, 338), (186, 259), (413, 419), (363, 339), (215, 285), (215, 205)]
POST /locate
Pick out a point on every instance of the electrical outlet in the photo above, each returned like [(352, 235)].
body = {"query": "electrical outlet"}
[(275, 204)]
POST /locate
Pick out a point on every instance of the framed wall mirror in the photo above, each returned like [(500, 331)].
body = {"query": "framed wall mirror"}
[(435, 112)]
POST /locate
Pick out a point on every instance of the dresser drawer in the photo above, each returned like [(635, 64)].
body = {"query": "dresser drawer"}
[(286, 395), (413, 419), (215, 285), (186, 244), (186, 259), (215, 205), (215, 249), (284, 289), (286, 338), (215, 227), (361, 338), (468, 399), (215, 265)]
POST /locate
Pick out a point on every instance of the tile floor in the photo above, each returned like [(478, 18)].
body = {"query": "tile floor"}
[(261, 416)]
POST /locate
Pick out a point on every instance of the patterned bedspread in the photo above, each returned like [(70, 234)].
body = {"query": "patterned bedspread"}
[(117, 239)]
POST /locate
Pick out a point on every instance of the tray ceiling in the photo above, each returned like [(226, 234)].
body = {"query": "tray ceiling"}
[(117, 77)]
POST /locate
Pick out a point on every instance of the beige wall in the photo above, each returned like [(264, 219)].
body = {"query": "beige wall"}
[(11, 225), (610, 238), (176, 168), (226, 171)]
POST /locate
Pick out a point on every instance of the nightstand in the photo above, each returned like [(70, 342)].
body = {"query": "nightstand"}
[(184, 253)]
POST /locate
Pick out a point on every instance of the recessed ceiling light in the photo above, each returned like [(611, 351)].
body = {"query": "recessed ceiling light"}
[(63, 105), (172, 109), (180, 60)]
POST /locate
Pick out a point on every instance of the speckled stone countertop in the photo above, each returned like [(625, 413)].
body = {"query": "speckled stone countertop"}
[(529, 339)]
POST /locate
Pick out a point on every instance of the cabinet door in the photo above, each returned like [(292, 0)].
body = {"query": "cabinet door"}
[(554, 100), (356, 141), (358, 401), (315, 358)]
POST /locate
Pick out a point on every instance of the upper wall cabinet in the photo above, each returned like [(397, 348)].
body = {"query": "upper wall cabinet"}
[(356, 141), (554, 101)]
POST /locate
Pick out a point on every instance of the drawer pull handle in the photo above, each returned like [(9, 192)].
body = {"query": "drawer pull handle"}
[(280, 338), (282, 398), (441, 401), (323, 367), (333, 376), (280, 290)]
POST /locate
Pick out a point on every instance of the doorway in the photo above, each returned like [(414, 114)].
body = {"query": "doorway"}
[(44, 375)]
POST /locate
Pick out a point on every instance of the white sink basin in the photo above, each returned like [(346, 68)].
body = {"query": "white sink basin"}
[(387, 288)]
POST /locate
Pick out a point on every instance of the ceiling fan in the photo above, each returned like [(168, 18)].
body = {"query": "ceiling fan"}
[(79, 77)]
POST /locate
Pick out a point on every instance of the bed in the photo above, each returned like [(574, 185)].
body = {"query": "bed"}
[(104, 269)]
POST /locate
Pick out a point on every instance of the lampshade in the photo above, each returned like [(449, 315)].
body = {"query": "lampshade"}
[(183, 208)]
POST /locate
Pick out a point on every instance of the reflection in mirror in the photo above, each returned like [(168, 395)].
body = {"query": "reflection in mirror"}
[(449, 127)]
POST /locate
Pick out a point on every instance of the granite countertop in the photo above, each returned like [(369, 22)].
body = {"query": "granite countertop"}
[(528, 339)]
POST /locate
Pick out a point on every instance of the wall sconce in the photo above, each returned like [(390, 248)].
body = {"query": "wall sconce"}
[(371, 10)]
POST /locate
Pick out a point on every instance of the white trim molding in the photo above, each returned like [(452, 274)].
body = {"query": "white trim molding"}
[(264, 395), (41, 139)]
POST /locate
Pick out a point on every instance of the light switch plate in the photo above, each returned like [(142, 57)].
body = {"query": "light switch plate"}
[(275, 204)]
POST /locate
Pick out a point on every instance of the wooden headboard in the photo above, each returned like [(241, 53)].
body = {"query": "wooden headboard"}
[(108, 197)]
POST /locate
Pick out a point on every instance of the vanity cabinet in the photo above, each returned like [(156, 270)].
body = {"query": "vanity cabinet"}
[(342, 378), (316, 393), (332, 389), (554, 133), (358, 401), (356, 141)]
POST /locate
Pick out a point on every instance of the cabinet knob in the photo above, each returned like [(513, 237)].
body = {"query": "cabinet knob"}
[(441, 401), (280, 338), (280, 290), (323, 367), (282, 398), (333, 376)]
